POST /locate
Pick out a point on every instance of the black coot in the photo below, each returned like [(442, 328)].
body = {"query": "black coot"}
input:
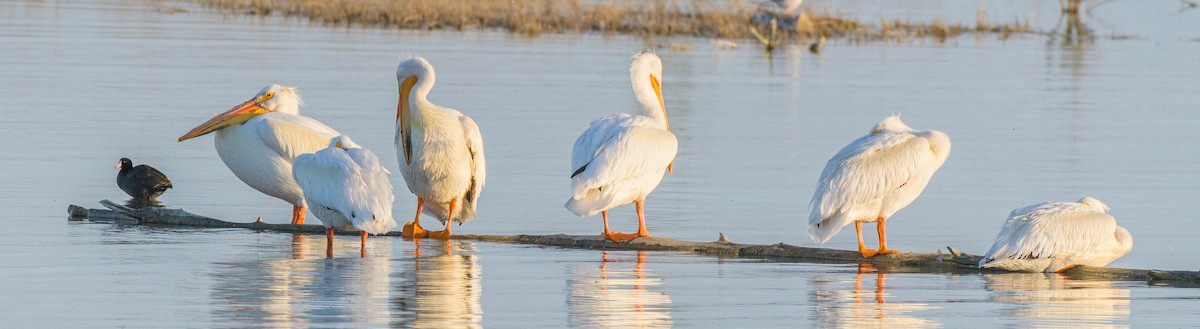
[(141, 182)]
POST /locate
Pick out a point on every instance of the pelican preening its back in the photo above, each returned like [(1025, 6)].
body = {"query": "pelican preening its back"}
[(1055, 236), (440, 152), (347, 189), (872, 178), (258, 139), (621, 158)]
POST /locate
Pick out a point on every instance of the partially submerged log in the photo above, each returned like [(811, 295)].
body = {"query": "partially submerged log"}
[(953, 261)]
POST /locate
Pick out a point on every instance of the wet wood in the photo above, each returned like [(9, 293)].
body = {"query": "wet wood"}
[(952, 261)]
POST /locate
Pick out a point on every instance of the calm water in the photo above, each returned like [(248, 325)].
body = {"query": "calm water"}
[(85, 83)]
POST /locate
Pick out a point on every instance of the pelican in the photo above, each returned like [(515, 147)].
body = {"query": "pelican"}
[(874, 177), (621, 158), (440, 152), (787, 5), (1056, 236), (258, 139), (348, 189)]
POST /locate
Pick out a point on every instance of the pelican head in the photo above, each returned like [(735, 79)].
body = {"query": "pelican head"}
[(408, 74), (890, 124), (1096, 204), (343, 142), (646, 74), (272, 98)]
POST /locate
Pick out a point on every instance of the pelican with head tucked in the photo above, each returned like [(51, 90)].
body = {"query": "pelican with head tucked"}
[(1056, 236), (440, 151), (621, 158), (874, 177), (347, 189), (258, 140)]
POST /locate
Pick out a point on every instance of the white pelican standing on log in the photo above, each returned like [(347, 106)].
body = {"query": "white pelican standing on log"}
[(347, 189), (874, 177), (1056, 236), (258, 139), (621, 158), (440, 152)]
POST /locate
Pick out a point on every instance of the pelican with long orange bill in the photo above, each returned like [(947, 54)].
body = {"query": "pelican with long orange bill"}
[(259, 138)]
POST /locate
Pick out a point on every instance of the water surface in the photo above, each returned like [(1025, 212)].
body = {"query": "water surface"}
[(1032, 119)]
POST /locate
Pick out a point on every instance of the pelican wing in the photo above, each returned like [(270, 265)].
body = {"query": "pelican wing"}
[(333, 179), (1051, 230), (478, 163), (619, 147), (293, 135), (375, 175), (866, 171)]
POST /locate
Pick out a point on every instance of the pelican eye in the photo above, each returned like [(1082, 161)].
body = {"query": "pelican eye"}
[(339, 145)]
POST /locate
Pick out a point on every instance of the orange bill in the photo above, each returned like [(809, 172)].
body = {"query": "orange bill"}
[(404, 117), (235, 116)]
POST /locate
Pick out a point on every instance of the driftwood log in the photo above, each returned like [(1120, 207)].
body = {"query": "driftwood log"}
[(952, 261)]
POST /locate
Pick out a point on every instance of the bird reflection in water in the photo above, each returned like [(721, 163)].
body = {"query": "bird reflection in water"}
[(440, 287), (286, 289), (839, 308), (618, 297), (137, 203), (1053, 300)]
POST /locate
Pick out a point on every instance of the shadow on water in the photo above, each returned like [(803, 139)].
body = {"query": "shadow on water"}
[(440, 288), (1054, 300), (618, 297), (863, 303)]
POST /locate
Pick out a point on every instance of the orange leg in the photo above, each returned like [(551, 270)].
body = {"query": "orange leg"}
[(329, 242), (862, 248), (608, 234), (881, 227), (642, 232), (363, 246), (1059, 271), (298, 215), (445, 235), (413, 230)]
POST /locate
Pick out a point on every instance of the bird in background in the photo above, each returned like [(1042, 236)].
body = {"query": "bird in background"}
[(347, 189), (142, 182), (1056, 236), (259, 138), (874, 177), (440, 151), (621, 158)]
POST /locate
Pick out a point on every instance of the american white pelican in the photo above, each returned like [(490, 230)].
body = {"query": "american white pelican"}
[(1056, 236), (258, 139), (621, 158), (440, 152), (348, 190), (142, 182), (874, 177), (787, 5)]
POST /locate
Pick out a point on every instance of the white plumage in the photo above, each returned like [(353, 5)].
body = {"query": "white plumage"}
[(440, 151), (621, 158), (1055, 236), (346, 187), (873, 177), (258, 140)]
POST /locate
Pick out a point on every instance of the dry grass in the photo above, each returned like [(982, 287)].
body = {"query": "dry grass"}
[(725, 19)]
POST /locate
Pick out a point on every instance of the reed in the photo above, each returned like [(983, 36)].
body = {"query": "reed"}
[(711, 19)]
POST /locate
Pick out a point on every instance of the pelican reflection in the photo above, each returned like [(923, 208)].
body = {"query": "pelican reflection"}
[(864, 303), (1051, 300), (440, 287), (620, 296), (287, 289)]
